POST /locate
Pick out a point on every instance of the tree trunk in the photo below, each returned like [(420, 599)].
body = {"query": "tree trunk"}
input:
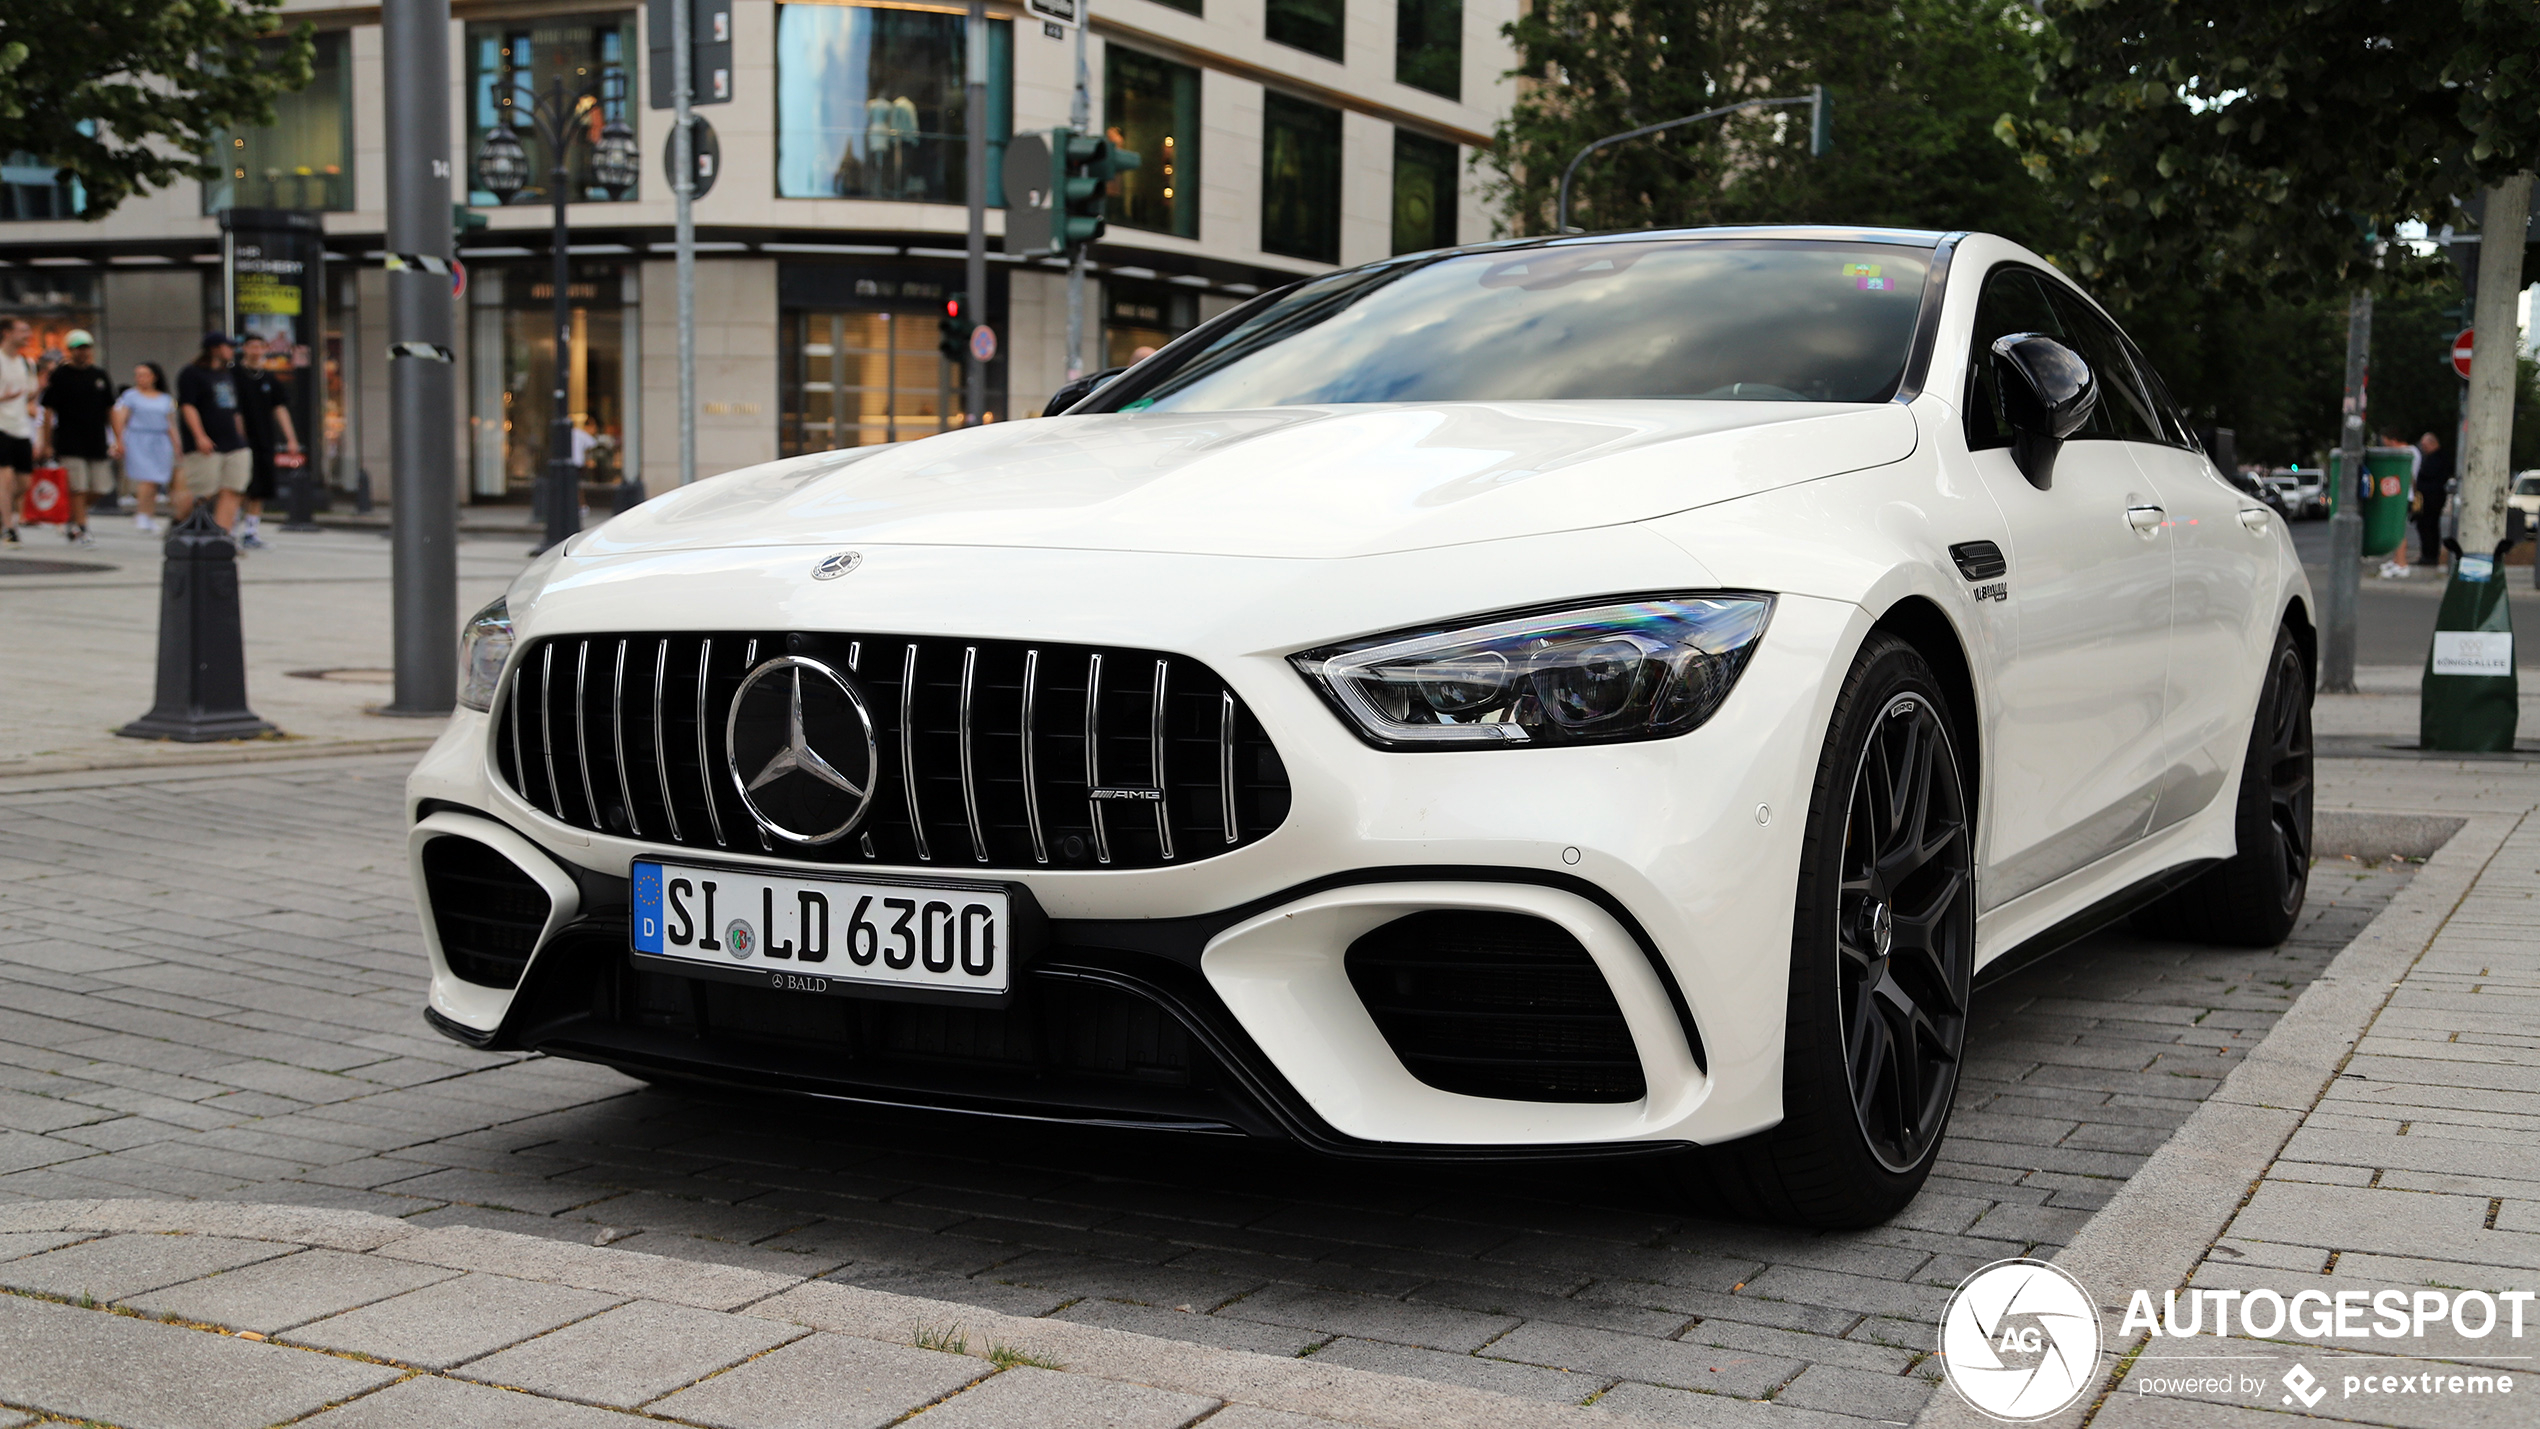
[(2486, 450)]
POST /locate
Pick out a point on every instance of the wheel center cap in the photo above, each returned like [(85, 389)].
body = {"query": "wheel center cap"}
[(1878, 926)]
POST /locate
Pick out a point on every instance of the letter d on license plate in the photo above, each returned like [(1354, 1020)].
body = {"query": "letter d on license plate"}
[(825, 934)]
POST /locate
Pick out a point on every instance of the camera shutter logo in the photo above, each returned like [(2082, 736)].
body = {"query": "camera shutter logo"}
[(800, 746), (2020, 1340)]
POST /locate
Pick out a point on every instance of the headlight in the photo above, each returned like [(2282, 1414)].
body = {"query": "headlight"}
[(484, 647), (1637, 669)]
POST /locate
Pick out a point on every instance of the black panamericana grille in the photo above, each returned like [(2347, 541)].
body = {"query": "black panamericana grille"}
[(1496, 1005), (988, 748)]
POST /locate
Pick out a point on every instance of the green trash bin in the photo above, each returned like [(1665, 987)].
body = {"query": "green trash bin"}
[(2471, 698), (2391, 471)]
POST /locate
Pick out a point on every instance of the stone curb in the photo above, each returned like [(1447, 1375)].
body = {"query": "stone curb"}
[(35, 776), (1326, 1392), (2155, 1231)]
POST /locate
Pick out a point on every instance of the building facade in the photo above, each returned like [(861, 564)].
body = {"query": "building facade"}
[(1278, 138)]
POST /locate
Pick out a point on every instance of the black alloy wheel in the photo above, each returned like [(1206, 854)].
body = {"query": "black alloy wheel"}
[(1881, 957), (2253, 898), (1905, 933)]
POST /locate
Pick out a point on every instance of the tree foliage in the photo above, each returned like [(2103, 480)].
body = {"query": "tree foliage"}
[(1918, 86), (2255, 143), (129, 95)]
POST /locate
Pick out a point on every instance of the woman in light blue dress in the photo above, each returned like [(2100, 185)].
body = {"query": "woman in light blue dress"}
[(145, 437)]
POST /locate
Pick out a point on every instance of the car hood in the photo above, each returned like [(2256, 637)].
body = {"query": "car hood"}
[(1296, 482)]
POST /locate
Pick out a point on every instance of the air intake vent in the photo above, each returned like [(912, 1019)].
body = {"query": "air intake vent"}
[(991, 754), (1496, 1005), (1978, 560), (487, 911)]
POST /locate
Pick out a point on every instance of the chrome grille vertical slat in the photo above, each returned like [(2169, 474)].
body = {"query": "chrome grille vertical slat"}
[(1093, 756), (969, 772), (582, 736), (1031, 766), (661, 758), (705, 765), (547, 725), (1226, 763), (617, 741), (520, 765), (908, 752), (1155, 755)]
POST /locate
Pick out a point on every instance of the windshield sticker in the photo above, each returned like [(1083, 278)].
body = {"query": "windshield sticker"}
[(1865, 276)]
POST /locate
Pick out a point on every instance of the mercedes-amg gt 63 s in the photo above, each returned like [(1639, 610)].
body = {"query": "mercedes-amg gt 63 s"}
[(1562, 698)]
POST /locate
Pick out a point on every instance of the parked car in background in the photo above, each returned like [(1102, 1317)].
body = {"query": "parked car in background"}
[(2299, 494), (2526, 498)]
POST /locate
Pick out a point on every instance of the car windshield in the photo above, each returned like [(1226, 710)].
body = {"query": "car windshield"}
[(2527, 486), (1702, 319)]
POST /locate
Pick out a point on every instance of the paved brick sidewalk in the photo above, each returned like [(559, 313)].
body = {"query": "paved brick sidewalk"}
[(208, 989), (203, 1316)]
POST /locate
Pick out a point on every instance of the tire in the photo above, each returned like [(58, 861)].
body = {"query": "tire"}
[(2252, 899), (1882, 951)]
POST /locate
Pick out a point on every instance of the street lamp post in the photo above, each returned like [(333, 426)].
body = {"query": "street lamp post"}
[(502, 166)]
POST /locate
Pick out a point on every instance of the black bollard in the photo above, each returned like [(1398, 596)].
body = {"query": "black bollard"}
[(202, 660), (300, 477)]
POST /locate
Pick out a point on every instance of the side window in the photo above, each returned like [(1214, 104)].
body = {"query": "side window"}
[(2011, 302), (2173, 417), (2124, 412)]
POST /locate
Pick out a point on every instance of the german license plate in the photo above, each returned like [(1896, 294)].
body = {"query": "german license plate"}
[(805, 931)]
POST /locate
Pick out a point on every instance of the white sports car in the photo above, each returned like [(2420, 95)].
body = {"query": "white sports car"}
[(1555, 698)]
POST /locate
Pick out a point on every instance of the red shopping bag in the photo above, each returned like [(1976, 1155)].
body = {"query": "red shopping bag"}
[(48, 498)]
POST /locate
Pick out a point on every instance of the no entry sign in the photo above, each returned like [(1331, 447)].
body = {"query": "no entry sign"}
[(2460, 352)]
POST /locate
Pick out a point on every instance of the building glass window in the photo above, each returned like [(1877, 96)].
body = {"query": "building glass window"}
[(1423, 192), (1151, 107), (1188, 7), (508, 61), (1314, 26), (31, 189), (594, 373), (873, 103), (1428, 45), (304, 159), (1300, 178), (856, 359), (1138, 318), (52, 304)]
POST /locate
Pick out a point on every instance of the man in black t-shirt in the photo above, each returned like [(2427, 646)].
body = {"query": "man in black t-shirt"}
[(2434, 487), (264, 400), (211, 433), (76, 432)]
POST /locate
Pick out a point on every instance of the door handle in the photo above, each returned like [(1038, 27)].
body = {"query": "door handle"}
[(2146, 519), (2254, 518)]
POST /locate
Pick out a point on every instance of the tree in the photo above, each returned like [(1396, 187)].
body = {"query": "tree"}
[(1918, 86), (2255, 144), (129, 95)]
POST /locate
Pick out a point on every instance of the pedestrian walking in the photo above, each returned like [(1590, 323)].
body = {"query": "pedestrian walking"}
[(78, 435), (2433, 488), (145, 437), (17, 420), (217, 463), (265, 401)]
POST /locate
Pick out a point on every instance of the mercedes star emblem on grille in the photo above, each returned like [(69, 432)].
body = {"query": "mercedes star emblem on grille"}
[(836, 564), (784, 715)]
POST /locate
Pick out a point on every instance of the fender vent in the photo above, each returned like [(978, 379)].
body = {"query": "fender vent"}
[(1979, 560), (1496, 1005), (487, 911)]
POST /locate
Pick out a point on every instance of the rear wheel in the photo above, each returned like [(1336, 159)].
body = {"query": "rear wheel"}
[(2252, 899), (1882, 952)]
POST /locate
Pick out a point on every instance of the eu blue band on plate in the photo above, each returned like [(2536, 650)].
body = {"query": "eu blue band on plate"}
[(646, 915)]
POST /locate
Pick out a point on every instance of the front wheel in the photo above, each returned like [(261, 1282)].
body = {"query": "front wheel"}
[(2252, 899), (1882, 954)]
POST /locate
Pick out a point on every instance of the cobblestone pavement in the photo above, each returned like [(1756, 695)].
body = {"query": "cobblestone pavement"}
[(210, 987)]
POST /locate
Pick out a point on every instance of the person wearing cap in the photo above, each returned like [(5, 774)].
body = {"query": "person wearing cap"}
[(77, 434), (217, 463), (18, 387)]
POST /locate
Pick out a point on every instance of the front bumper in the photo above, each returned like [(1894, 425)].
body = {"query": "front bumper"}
[(1672, 862)]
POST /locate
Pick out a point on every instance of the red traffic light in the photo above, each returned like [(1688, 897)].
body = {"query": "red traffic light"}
[(952, 307)]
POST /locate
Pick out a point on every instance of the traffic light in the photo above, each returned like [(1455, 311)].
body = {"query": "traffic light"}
[(1081, 167), (1820, 121), (952, 330)]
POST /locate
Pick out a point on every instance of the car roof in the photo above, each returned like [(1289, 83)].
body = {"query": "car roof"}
[(1788, 232)]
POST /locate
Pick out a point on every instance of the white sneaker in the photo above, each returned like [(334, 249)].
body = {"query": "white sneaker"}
[(144, 523), (2393, 571)]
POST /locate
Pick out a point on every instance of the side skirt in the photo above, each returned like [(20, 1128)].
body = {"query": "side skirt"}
[(2111, 909)]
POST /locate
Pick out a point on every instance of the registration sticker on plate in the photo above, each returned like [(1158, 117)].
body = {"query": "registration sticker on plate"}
[(801, 931)]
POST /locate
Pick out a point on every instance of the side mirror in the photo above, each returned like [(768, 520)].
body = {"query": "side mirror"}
[(1078, 390), (2047, 393)]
